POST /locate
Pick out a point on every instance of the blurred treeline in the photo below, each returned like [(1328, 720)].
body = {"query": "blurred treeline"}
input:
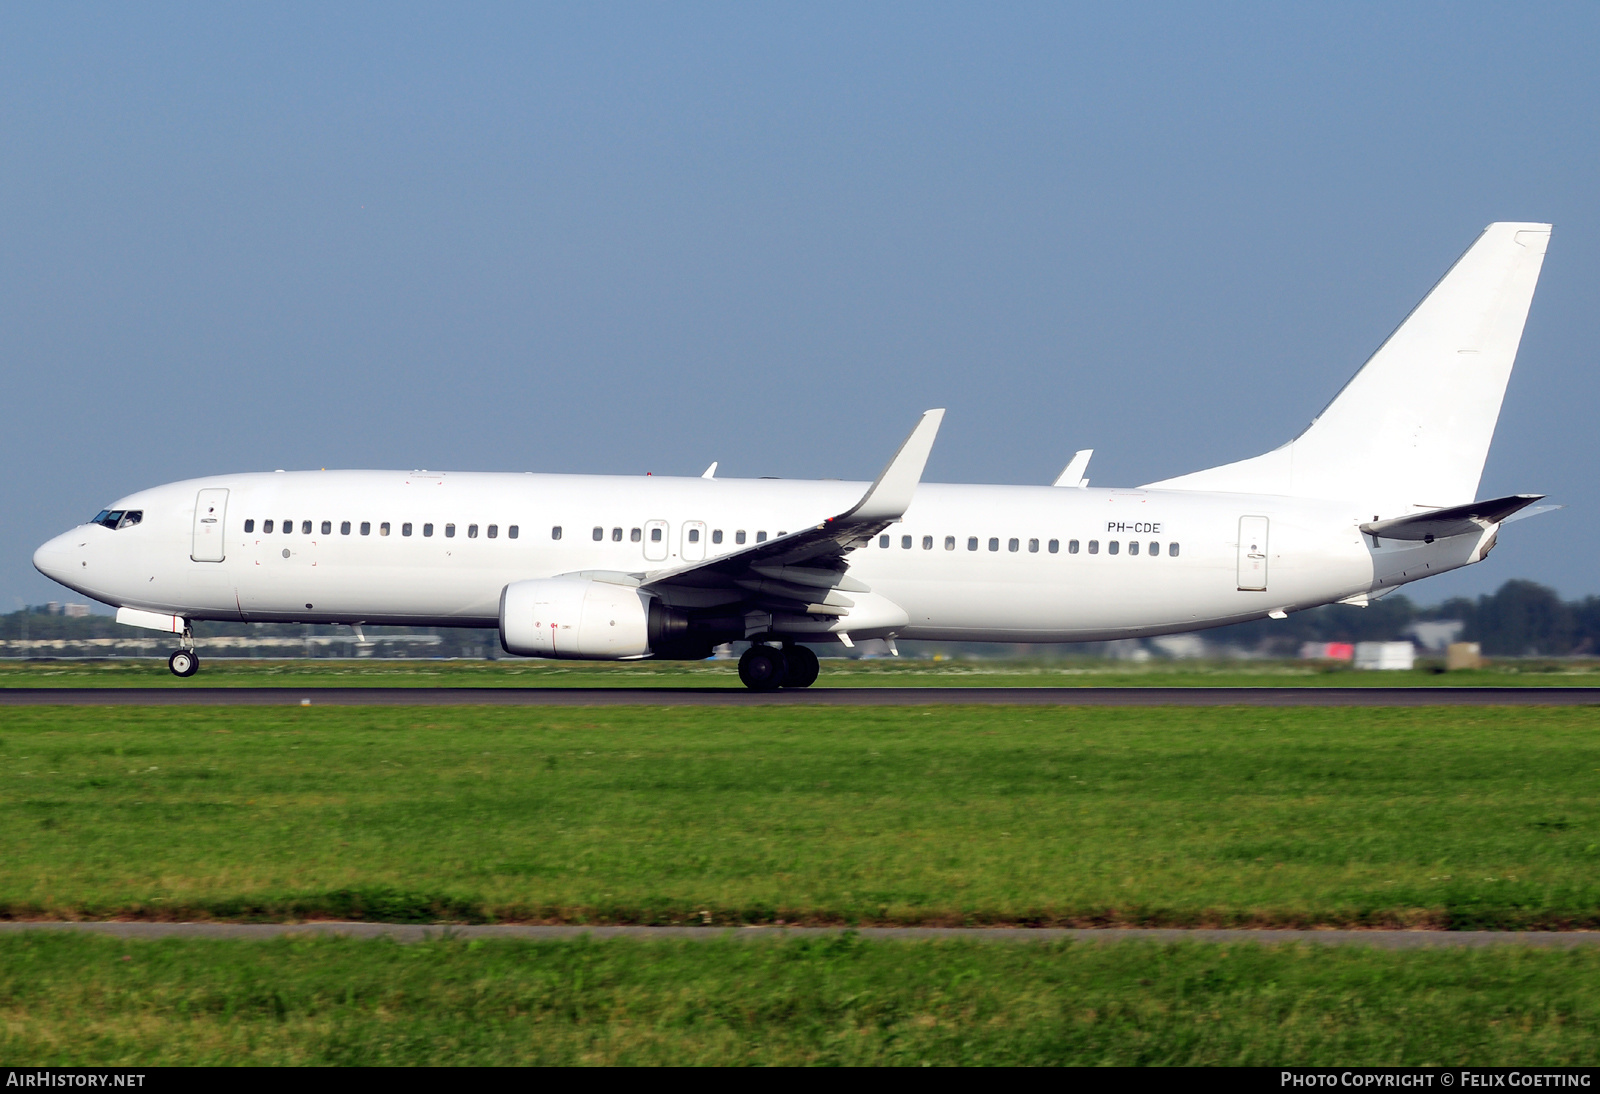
[(1520, 619)]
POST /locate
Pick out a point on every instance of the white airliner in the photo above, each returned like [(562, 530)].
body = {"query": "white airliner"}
[(1378, 491)]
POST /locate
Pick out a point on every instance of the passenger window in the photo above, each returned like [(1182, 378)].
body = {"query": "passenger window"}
[(366, 527), (635, 536), (249, 526), (450, 532), (599, 534), (1033, 546), (761, 537), (405, 529), (1172, 550), (493, 530), (305, 527), (383, 529), (1133, 546), (949, 543), (927, 543), (694, 535), (972, 543), (1113, 546), (511, 532), (883, 541), (738, 537), (994, 543), (266, 526), (1072, 546), (1012, 545), (1094, 546), (327, 527), (427, 531), (1155, 548), (472, 531), (1055, 546), (286, 527), (716, 535), (555, 533), (905, 543), (344, 528), (616, 535), (655, 535)]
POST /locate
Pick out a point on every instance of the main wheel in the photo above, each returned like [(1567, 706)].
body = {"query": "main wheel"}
[(803, 667), (763, 668), (183, 663)]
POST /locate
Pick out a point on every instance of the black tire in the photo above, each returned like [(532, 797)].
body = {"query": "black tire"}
[(763, 668), (184, 663), (803, 667)]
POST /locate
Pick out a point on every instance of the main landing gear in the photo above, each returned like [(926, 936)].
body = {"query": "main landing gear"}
[(768, 668)]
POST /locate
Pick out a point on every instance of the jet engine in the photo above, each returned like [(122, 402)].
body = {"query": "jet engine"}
[(581, 618)]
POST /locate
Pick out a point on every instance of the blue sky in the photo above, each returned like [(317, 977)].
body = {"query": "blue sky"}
[(629, 238)]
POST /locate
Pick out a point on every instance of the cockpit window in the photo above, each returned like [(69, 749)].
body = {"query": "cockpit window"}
[(118, 518)]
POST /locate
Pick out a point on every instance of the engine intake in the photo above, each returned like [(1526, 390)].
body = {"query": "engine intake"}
[(580, 618), (574, 617)]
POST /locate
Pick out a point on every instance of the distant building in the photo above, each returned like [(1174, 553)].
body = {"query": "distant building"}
[(75, 611), (1327, 651), (1385, 655)]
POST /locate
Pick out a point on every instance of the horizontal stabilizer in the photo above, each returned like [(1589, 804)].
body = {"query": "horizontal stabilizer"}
[(1458, 520)]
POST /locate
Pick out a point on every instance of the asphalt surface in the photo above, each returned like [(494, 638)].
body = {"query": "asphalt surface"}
[(1388, 940), (845, 697)]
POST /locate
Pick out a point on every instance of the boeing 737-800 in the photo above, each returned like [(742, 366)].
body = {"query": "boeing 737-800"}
[(1378, 491)]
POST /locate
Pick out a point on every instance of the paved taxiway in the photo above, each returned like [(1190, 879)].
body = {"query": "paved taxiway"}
[(405, 932), (843, 697)]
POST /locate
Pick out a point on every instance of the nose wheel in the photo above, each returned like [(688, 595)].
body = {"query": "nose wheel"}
[(184, 663)]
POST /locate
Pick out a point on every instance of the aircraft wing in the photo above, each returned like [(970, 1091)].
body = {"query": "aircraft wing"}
[(804, 571), (1457, 520)]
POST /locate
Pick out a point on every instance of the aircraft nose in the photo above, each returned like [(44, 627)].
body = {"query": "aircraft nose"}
[(54, 559)]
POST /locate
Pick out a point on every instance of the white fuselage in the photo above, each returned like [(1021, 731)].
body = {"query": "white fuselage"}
[(1013, 587)]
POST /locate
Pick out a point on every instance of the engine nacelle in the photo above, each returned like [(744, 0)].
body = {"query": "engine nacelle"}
[(575, 617)]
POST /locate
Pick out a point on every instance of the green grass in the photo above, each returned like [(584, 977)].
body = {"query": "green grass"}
[(1451, 817), (887, 672), (99, 1001)]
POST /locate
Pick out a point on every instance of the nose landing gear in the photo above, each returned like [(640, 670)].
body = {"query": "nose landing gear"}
[(184, 662)]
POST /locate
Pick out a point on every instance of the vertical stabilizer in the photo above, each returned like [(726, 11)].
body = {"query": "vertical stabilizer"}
[(1411, 430)]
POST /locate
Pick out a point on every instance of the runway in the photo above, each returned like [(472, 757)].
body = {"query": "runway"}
[(839, 697), (408, 932)]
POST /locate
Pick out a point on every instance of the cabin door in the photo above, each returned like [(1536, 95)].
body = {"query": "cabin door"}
[(1253, 553), (210, 509)]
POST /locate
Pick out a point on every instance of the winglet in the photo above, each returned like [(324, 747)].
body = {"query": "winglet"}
[(710, 472), (891, 495), (1073, 474)]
